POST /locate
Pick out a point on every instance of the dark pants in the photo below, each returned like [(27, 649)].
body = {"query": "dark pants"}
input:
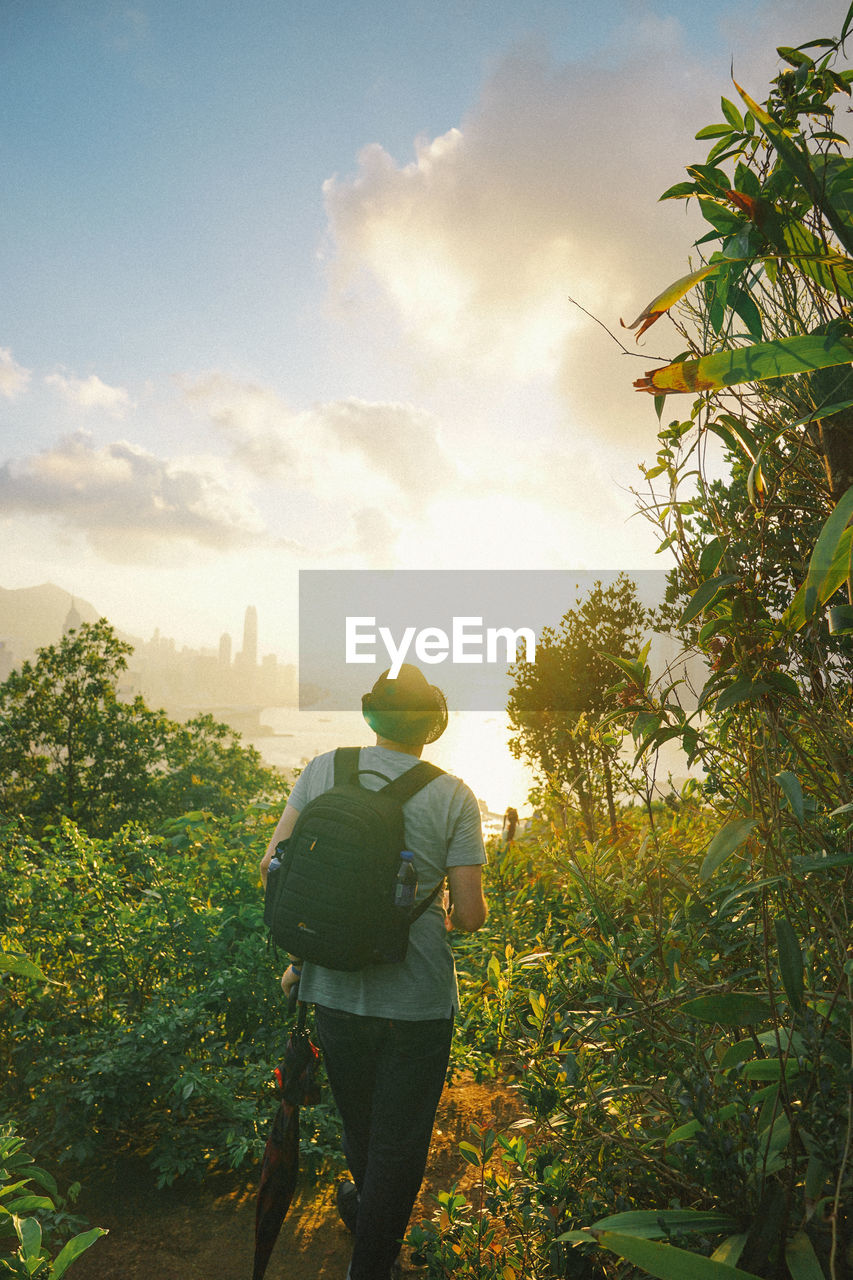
[(386, 1078)]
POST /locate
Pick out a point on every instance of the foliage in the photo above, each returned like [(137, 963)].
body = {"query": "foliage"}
[(683, 1062), (682, 1028), (164, 1020), (70, 746), (31, 1258), (557, 701), (17, 1170)]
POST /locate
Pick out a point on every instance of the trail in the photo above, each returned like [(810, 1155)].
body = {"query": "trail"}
[(207, 1232)]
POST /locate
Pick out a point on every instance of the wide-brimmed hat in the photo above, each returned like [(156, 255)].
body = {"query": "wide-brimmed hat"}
[(406, 709)]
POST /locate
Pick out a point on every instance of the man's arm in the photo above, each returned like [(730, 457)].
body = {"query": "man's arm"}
[(283, 829), (468, 909)]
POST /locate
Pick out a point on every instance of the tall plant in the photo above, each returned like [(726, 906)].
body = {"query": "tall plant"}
[(760, 590)]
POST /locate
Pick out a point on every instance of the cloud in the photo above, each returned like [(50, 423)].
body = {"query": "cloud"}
[(128, 503), (13, 378), (547, 194), (548, 190), (338, 451), (91, 393)]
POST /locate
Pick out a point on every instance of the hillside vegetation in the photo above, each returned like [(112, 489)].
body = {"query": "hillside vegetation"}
[(666, 978)]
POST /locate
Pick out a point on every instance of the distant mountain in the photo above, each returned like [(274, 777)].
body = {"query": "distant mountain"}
[(34, 616)]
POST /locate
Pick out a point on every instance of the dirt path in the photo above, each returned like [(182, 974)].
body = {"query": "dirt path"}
[(207, 1232)]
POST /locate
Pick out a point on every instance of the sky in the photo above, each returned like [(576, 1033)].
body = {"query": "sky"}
[(293, 285)]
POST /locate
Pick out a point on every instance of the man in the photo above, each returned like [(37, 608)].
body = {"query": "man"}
[(385, 1031)]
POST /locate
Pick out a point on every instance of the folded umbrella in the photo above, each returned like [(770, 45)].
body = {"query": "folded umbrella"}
[(296, 1079)]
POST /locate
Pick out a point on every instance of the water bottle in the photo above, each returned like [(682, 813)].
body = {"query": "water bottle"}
[(272, 889), (407, 882)]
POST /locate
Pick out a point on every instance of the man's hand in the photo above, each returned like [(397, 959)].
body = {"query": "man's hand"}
[(290, 979)]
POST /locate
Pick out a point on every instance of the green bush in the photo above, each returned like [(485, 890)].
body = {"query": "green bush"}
[(165, 1019)]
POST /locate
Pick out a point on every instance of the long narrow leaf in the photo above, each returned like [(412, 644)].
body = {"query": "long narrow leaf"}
[(662, 303), (800, 354), (667, 1262), (656, 1224), (791, 966), (73, 1249), (790, 784), (802, 1260), (723, 845), (705, 595), (828, 568), (798, 161), (731, 1009)]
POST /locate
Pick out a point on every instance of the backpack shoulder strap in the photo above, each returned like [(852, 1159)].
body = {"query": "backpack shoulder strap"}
[(405, 786), (346, 765)]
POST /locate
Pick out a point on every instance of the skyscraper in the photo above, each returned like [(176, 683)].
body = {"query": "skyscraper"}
[(250, 637)]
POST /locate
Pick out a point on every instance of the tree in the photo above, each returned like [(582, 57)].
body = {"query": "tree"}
[(557, 701), (70, 747), (761, 557), (771, 359)]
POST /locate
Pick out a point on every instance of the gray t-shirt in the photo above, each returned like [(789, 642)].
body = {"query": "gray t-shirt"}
[(443, 829)]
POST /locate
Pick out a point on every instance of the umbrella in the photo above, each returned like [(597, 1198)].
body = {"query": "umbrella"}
[(296, 1079)]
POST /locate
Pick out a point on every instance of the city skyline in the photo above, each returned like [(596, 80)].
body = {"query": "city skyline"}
[(183, 679)]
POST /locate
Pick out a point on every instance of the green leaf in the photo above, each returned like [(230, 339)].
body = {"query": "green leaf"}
[(736, 1054), (740, 691), (656, 1224), (723, 845), (29, 1203), (801, 1259), (666, 1261), (684, 1132), (744, 305), (29, 1234), (838, 570), (795, 57), (705, 595), (817, 1176), (802, 353), (755, 484), (731, 113), (790, 961), (769, 1069), (20, 967), (824, 864), (840, 620), (825, 574), (783, 682), (73, 1249), (790, 784), (731, 1009), (712, 554), (798, 161), (730, 1250), (470, 1154), (681, 191), (714, 131), (847, 24)]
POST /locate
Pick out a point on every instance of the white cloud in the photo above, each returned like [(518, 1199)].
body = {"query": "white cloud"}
[(548, 190), (341, 451), (128, 503), (13, 377), (91, 393)]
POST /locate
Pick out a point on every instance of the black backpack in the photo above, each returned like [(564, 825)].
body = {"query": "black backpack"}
[(331, 901)]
